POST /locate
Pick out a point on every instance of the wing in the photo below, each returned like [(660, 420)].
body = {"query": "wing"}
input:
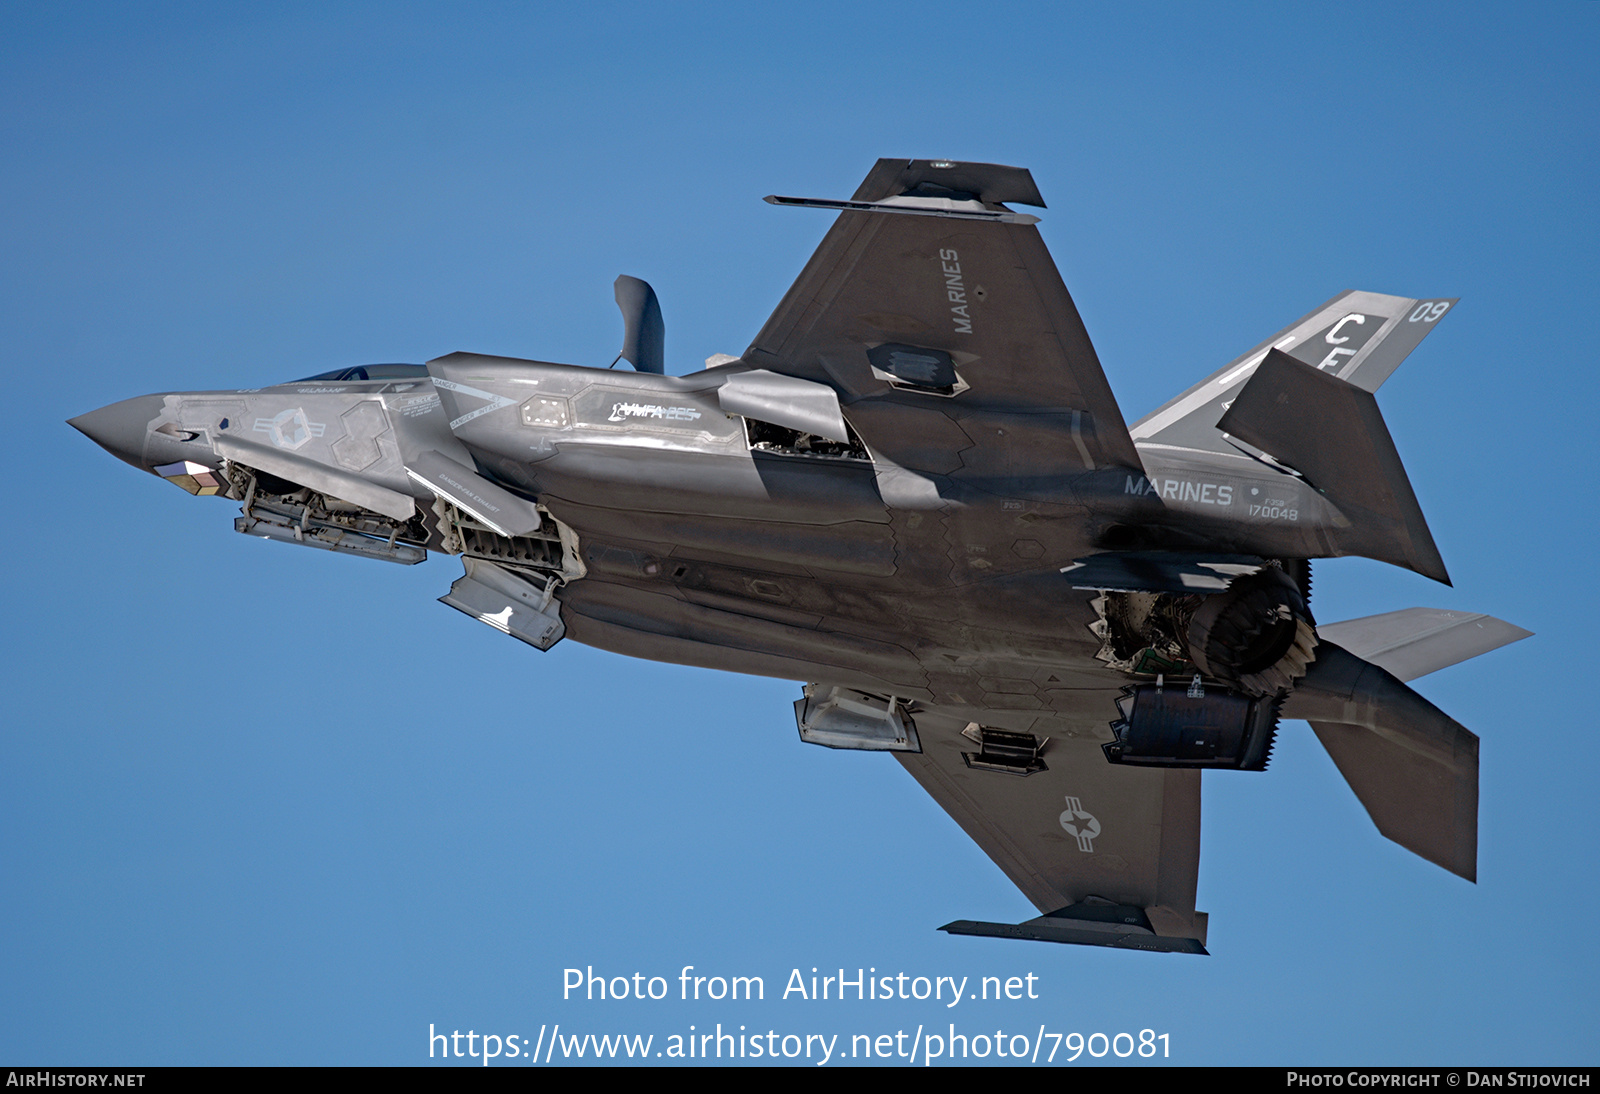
[(1110, 854), (925, 302)]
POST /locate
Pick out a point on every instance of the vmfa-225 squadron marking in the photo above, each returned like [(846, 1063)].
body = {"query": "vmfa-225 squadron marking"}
[(915, 492)]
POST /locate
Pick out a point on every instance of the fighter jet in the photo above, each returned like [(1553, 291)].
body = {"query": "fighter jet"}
[(915, 493)]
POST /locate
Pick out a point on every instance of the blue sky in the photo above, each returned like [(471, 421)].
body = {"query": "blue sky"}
[(260, 805)]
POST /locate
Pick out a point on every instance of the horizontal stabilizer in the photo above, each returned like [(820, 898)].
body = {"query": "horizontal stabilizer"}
[(1090, 923), (1412, 766), (1416, 641), (1331, 433)]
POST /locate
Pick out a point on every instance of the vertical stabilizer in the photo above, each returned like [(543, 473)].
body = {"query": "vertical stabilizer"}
[(1360, 337)]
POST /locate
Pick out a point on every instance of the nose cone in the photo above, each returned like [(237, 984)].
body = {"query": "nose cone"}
[(122, 429)]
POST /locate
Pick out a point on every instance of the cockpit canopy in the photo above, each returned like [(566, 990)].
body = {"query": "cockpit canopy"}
[(370, 372)]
